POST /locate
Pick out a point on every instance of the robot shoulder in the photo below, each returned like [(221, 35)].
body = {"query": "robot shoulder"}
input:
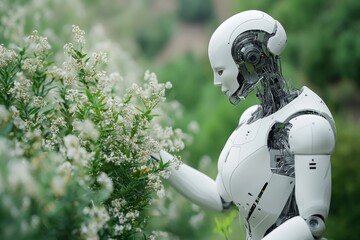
[(247, 114), (311, 134)]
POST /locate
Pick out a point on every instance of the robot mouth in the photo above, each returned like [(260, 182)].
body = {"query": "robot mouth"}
[(226, 92), (236, 97), (244, 89)]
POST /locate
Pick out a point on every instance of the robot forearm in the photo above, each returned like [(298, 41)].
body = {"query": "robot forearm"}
[(194, 185)]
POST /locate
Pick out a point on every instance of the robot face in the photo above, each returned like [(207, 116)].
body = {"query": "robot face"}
[(235, 80), (225, 70)]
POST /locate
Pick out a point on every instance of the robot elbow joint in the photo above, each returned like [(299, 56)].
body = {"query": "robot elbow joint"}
[(316, 225)]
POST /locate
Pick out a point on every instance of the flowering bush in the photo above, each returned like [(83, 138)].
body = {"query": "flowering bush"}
[(75, 156)]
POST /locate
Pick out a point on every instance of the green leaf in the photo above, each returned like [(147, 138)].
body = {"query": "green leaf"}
[(79, 54)]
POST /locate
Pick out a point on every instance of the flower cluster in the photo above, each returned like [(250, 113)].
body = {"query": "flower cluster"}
[(8, 56), (75, 148), (98, 218)]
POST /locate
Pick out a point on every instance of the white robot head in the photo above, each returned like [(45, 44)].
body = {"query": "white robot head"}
[(240, 48)]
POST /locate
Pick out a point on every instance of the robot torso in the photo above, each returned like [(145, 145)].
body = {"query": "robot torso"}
[(256, 166)]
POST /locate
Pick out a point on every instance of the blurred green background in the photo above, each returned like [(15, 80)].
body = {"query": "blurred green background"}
[(170, 37)]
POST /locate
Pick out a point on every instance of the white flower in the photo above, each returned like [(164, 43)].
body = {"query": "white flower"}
[(69, 49), (204, 163), (4, 114), (7, 56), (32, 64), (20, 175), (71, 142), (161, 192), (79, 35), (74, 151), (119, 229), (87, 129), (21, 88), (38, 102), (72, 95), (25, 203), (100, 57), (158, 235), (176, 162), (58, 186), (98, 218), (168, 85), (193, 127), (105, 181), (196, 220), (47, 144), (118, 203), (65, 170), (37, 44), (35, 220)]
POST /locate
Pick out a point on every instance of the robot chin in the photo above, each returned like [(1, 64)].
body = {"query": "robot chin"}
[(243, 91)]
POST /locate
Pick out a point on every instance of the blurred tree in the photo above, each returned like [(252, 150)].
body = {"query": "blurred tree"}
[(153, 34), (189, 74), (199, 11), (331, 50), (345, 210)]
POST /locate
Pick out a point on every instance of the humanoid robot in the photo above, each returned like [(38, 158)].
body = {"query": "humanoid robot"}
[(275, 166)]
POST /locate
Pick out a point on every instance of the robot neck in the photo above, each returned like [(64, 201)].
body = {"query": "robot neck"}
[(274, 91)]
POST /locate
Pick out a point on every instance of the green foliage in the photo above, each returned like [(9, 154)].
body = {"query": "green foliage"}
[(223, 227)]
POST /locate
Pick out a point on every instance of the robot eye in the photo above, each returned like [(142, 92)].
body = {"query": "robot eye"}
[(220, 72)]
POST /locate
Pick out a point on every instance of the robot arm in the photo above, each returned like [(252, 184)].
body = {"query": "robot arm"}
[(196, 186), (311, 140)]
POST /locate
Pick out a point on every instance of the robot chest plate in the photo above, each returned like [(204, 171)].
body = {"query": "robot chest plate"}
[(247, 179), (244, 163)]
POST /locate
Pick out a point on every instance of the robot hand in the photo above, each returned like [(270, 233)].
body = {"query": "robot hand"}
[(164, 156)]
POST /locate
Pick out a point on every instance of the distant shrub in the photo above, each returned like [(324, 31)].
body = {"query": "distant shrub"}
[(196, 11), (153, 35)]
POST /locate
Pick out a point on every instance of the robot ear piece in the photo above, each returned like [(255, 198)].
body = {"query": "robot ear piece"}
[(251, 54), (277, 41)]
